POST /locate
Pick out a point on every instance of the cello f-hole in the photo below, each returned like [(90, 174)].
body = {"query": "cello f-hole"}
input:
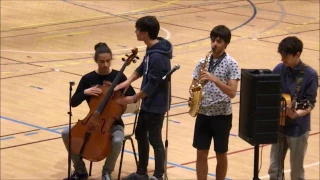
[(102, 127)]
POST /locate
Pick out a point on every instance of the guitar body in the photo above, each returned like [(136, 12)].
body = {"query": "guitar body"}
[(283, 114), (303, 104)]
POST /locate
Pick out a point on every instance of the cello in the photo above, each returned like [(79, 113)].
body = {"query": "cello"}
[(91, 137)]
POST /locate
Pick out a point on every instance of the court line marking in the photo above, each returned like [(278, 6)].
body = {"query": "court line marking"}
[(230, 153), (6, 138), (59, 133), (30, 133), (125, 115), (64, 35), (246, 22), (283, 14), (83, 19), (289, 170), (179, 165), (168, 35), (318, 162)]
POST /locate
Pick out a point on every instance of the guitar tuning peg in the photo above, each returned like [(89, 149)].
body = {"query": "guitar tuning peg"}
[(123, 59), (134, 61), (137, 57), (127, 55)]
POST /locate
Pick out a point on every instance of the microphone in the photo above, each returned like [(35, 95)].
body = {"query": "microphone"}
[(176, 67), (72, 83)]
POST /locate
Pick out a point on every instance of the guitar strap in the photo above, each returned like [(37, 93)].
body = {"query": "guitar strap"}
[(299, 80)]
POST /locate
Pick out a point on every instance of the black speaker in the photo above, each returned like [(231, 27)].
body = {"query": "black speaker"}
[(260, 99)]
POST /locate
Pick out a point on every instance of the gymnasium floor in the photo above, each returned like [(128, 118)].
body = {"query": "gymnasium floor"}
[(46, 44)]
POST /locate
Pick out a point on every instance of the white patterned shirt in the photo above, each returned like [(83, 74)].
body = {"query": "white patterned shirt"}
[(214, 101)]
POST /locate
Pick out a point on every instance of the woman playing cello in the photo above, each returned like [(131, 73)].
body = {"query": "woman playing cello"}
[(88, 87)]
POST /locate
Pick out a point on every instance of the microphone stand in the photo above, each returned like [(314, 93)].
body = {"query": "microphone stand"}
[(168, 77), (71, 83), (166, 142)]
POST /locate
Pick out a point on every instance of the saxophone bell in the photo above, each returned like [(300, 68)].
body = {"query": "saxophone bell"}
[(196, 94)]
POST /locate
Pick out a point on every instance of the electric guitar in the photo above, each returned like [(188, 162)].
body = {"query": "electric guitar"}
[(303, 104)]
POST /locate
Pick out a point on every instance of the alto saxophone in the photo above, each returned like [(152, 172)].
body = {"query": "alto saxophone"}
[(196, 90)]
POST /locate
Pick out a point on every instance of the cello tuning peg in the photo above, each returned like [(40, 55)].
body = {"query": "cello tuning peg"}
[(137, 57), (123, 59), (127, 55)]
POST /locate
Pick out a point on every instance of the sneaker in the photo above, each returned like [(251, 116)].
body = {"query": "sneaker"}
[(106, 176), (135, 176), (77, 176), (155, 178)]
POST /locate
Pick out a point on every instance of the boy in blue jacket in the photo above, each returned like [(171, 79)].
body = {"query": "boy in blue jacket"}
[(301, 82), (154, 95)]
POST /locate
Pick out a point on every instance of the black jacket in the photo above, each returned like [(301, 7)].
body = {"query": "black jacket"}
[(156, 64), (92, 79)]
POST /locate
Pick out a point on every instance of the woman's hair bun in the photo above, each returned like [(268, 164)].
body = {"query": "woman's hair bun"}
[(100, 44), (101, 47)]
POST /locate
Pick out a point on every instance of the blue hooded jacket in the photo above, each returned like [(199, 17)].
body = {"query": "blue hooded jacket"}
[(156, 64)]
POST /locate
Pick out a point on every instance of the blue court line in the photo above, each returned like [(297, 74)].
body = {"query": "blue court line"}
[(53, 131), (28, 124), (125, 115), (6, 138), (177, 122), (31, 133), (36, 87), (59, 128), (132, 114), (178, 165)]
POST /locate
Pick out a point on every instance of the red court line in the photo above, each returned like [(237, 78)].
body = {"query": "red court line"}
[(233, 152)]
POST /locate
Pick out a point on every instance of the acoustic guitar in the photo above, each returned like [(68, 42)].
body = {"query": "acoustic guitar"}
[(303, 104)]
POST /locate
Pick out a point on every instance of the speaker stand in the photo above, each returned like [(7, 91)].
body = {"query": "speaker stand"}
[(256, 163)]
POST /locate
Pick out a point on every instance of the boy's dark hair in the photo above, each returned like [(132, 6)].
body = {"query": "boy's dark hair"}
[(149, 24), (222, 32), (101, 48), (290, 45)]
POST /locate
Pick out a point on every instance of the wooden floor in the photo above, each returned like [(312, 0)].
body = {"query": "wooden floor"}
[(46, 44)]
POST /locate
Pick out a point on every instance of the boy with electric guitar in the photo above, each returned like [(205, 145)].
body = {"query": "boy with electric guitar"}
[(299, 84)]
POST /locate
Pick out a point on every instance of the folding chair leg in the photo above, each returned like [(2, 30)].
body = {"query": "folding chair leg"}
[(121, 158), (90, 168), (134, 152)]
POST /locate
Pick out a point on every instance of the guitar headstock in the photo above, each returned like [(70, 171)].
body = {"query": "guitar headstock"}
[(131, 58)]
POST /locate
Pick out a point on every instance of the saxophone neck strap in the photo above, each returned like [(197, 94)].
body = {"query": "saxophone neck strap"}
[(213, 65)]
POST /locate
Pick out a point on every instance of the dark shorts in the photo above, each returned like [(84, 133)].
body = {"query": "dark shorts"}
[(212, 127)]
